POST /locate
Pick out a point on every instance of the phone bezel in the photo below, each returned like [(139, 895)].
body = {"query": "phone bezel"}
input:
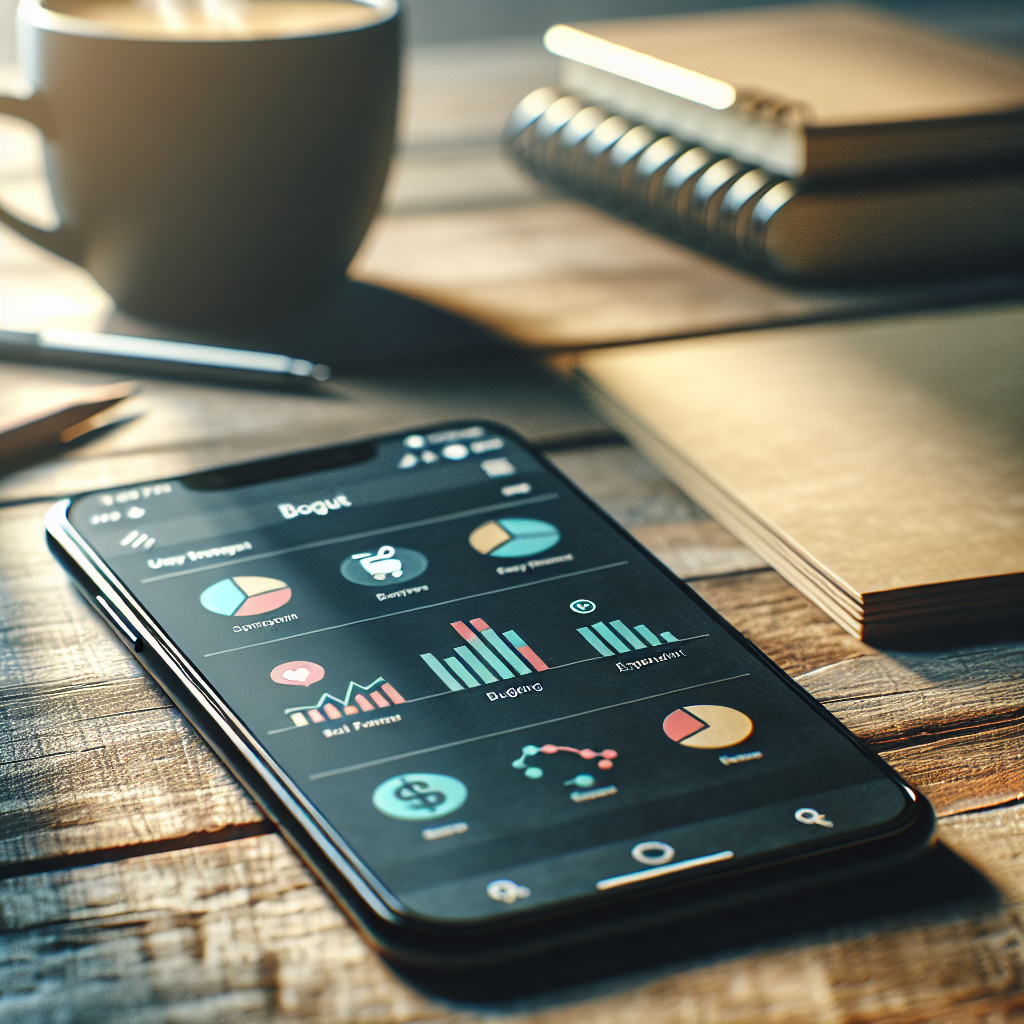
[(351, 880)]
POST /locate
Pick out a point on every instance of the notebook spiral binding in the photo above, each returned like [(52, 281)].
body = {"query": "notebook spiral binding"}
[(838, 232), (679, 189)]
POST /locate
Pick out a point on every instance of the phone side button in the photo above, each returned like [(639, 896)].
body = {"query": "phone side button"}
[(133, 640)]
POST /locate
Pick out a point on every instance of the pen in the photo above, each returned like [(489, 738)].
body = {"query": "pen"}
[(122, 352)]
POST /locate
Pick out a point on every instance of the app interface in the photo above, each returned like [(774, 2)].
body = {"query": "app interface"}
[(494, 699)]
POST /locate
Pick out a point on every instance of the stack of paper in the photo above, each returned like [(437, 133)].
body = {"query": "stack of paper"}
[(878, 465)]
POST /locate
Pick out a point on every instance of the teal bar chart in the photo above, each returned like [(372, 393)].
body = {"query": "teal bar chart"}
[(616, 637), (485, 658)]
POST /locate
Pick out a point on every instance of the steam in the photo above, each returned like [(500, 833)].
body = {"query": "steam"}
[(231, 19), (186, 15)]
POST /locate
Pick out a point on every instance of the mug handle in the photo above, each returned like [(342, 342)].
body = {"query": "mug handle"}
[(59, 240)]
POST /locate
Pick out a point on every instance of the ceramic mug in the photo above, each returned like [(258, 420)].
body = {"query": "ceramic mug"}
[(210, 177)]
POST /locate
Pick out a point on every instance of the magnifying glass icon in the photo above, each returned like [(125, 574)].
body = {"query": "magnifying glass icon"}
[(809, 816)]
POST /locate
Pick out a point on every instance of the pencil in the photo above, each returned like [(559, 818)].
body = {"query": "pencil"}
[(59, 424)]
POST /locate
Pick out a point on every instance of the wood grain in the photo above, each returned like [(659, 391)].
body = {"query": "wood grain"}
[(92, 754), (785, 625), (240, 932), (951, 722)]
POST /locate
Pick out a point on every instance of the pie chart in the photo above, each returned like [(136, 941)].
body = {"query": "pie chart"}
[(245, 595), (707, 726), (513, 538)]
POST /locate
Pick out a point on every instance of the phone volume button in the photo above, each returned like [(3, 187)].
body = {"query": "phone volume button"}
[(132, 639)]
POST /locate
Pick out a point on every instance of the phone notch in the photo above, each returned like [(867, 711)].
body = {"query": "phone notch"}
[(281, 466)]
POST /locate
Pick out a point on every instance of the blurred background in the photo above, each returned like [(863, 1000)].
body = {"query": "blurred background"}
[(436, 21), (468, 62), (443, 21)]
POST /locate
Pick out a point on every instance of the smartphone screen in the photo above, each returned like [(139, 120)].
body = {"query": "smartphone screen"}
[(482, 690)]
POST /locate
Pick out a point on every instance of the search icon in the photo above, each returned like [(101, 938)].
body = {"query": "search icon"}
[(809, 816)]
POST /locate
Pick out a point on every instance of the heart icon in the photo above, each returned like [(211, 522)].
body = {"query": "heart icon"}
[(298, 673)]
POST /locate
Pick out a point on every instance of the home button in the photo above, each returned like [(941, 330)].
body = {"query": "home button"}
[(652, 853)]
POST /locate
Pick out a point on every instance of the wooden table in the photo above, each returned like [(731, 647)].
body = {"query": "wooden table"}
[(139, 883)]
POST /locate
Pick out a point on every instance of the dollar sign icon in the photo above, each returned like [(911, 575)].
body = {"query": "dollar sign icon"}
[(416, 796), (423, 796)]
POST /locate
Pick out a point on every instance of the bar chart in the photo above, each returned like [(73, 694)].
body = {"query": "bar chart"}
[(485, 657), (616, 637), (358, 698)]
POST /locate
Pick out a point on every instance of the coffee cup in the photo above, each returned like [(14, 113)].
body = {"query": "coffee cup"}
[(214, 165)]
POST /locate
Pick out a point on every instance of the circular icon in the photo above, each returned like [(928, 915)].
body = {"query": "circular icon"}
[(581, 606), (504, 890), (652, 853), (513, 538), (245, 595), (383, 565), (418, 796), (707, 726), (455, 452), (298, 673)]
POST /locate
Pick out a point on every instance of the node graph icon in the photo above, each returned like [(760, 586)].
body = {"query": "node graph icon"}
[(605, 762)]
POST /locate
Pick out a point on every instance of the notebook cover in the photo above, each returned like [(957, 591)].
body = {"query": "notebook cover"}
[(826, 71), (887, 455)]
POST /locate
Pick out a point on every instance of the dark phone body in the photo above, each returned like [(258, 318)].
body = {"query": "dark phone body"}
[(684, 914)]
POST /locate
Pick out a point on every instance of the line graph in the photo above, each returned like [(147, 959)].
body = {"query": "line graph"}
[(358, 698)]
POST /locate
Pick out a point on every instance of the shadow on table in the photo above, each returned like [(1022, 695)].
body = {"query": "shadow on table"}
[(936, 886), (1004, 628), (360, 326)]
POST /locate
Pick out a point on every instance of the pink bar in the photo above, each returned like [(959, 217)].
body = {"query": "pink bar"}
[(396, 697), (332, 711), (532, 658), (380, 701), (363, 702), (315, 715), (479, 624), (464, 631), (350, 709)]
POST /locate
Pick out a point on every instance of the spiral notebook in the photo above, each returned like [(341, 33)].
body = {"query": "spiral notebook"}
[(819, 143), (811, 233)]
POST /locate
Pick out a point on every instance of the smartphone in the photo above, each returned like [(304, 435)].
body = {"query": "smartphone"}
[(492, 724)]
